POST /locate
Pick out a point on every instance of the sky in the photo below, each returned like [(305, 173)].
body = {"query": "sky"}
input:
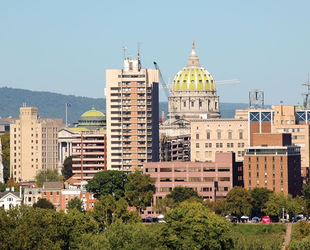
[(66, 46)]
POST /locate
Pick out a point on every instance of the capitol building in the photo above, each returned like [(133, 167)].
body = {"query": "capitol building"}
[(193, 93), (193, 96)]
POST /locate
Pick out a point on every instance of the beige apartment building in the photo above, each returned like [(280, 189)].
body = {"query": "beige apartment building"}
[(33, 144), (132, 116), (211, 136)]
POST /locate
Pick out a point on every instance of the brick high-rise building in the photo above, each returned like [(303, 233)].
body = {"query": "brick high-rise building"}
[(33, 144), (272, 162), (132, 116)]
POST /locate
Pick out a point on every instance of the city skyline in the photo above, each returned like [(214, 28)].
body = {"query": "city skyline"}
[(64, 46)]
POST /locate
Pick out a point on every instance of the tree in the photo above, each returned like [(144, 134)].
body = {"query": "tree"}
[(278, 201), (44, 203), (67, 168), (108, 182), (108, 210), (259, 198), (29, 228), (238, 202), (218, 206), (192, 226), (139, 189), (180, 194), (75, 203), (47, 175), (5, 141), (306, 194)]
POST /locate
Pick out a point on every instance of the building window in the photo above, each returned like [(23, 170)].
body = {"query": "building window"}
[(193, 103), (184, 104), (197, 136), (208, 135), (197, 154), (241, 135), (197, 145), (229, 135), (219, 135)]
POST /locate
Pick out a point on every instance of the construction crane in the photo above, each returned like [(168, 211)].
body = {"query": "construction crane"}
[(162, 81), (227, 81)]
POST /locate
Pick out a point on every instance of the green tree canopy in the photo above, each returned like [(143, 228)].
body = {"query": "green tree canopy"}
[(108, 182), (180, 194), (192, 226), (306, 194), (44, 203), (139, 189), (107, 210), (67, 168), (47, 175), (5, 141), (75, 203), (238, 202), (29, 228), (259, 198)]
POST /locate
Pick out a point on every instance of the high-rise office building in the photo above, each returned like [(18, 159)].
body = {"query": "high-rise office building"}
[(33, 144), (273, 162), (132, 116)]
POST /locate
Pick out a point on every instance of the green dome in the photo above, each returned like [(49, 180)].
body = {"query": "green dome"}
[(93, 113), (193, 79)]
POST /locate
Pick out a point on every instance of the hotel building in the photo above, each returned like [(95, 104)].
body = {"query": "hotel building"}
[(132, 116)]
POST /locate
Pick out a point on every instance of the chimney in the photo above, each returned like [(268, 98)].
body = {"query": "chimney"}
[(163, 115)]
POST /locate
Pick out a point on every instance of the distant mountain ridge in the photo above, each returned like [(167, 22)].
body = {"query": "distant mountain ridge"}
[(53, 104)]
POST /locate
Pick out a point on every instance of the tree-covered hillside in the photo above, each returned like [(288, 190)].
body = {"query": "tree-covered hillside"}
[(49, 104), (53, 104)]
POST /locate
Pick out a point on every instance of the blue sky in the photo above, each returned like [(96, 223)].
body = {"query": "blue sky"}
[(66, 46)]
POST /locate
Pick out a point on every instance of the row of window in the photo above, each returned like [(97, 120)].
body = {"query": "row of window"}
[(191, 169), (219, 135), (193, 179)]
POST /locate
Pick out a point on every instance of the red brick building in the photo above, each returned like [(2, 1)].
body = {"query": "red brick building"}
[(272, 162)]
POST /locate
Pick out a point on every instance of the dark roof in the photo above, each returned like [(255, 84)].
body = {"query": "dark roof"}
[(53, 184), (7, 192)]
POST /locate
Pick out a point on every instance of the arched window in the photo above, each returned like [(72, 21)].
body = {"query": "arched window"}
[(229, 135), (241, 134), (208, 135), (219, 135)]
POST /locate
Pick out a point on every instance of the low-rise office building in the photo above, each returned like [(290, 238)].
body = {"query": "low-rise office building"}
[(210, 179)]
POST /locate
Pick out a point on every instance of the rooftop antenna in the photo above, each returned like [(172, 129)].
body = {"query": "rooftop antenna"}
[(124, 49), (256, 99), (139, 62), (306, 95)]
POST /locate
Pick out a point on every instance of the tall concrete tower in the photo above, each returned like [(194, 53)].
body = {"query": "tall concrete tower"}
[(132, 116)]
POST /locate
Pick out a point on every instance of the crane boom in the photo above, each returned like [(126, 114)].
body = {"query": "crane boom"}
[(162, 81), (227, 81)]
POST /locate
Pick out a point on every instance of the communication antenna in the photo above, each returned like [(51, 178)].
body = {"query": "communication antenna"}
[(124, 49), (306, 95), (256, 99)]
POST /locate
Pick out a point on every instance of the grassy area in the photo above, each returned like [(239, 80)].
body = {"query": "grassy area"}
[(248, 236), (300, 238), (259, 236)]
